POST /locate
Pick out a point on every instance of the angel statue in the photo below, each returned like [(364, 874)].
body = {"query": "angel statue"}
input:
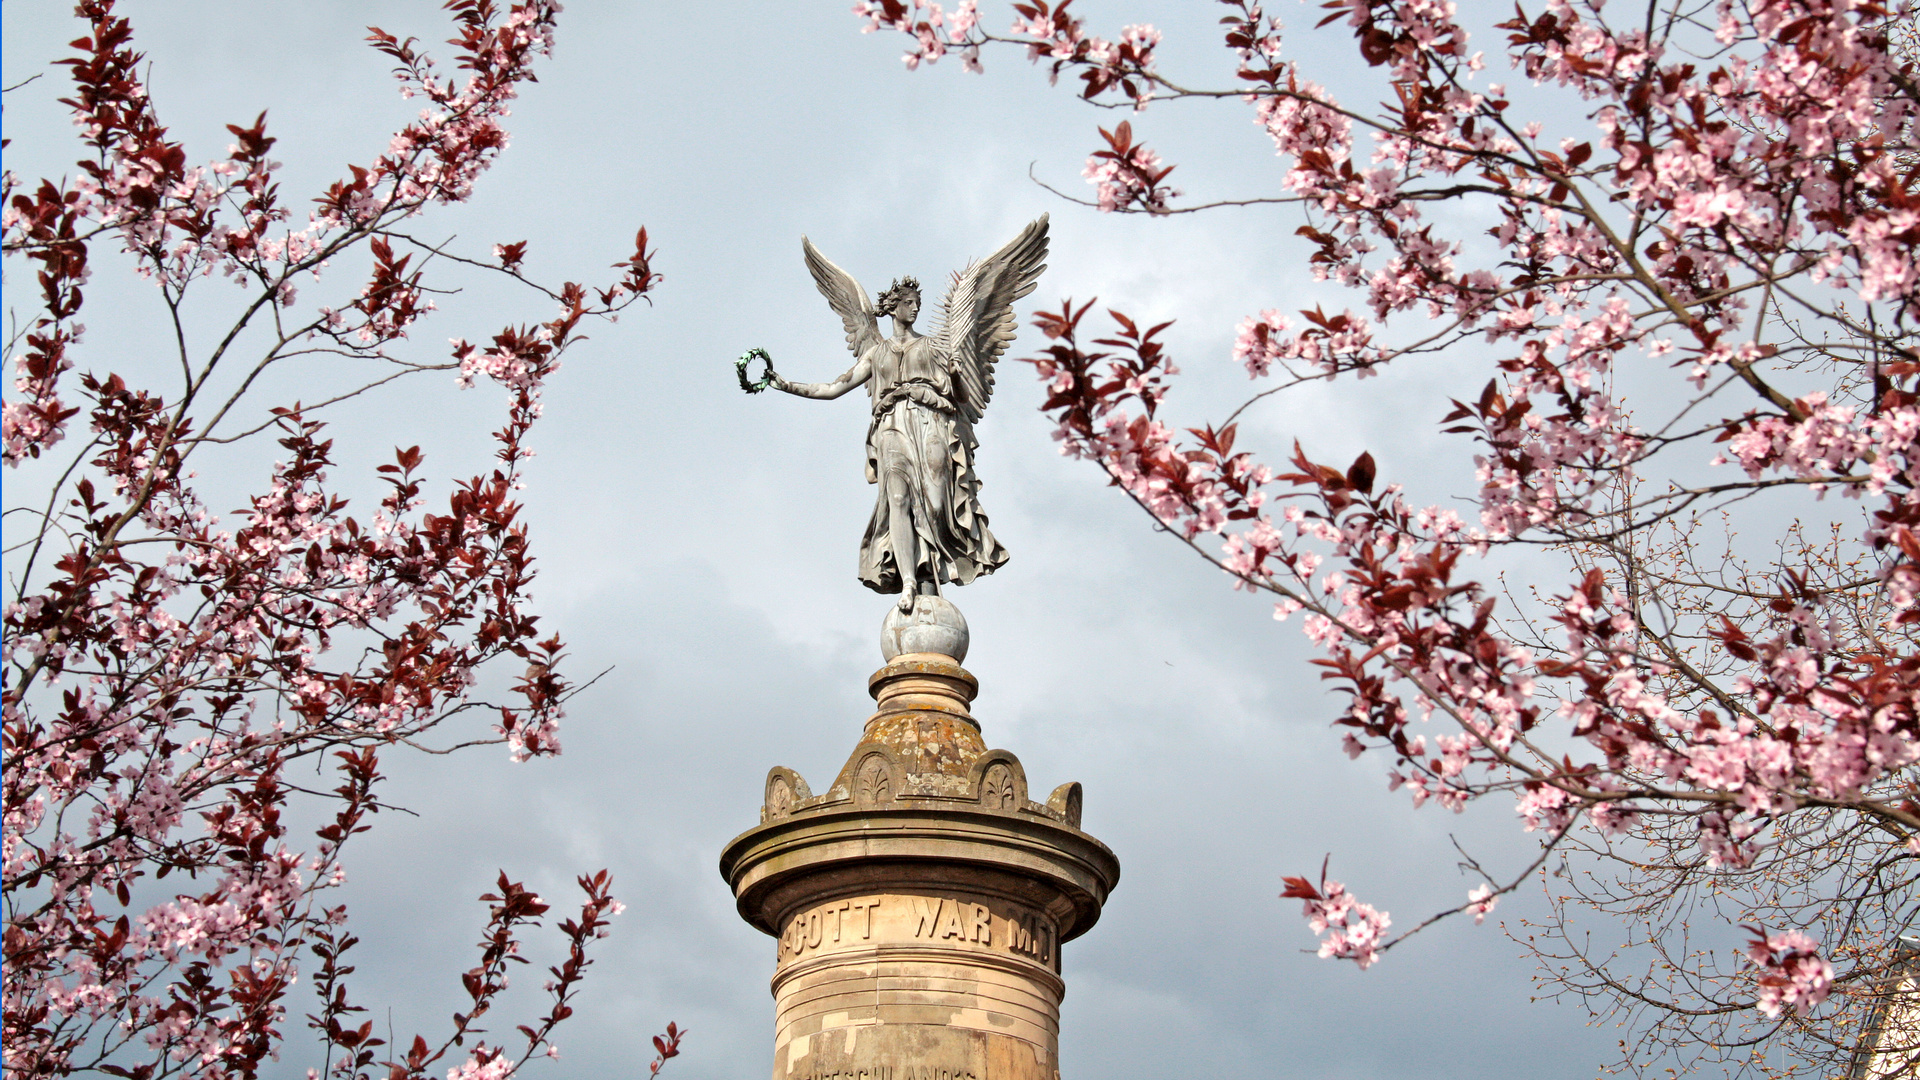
[(927, 393)]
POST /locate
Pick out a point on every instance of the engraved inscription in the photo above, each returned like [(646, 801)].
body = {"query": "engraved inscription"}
[(937, 920), (833, 923), (1031, 937), (928, 910), (891, 1072), (864, 908), (942, 919)]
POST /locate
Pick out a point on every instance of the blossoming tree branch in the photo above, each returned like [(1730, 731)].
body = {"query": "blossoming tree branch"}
[(167, 669), (1682, 248)]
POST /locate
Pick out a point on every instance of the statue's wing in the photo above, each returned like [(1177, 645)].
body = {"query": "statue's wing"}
[(978, 319), (846, 296)]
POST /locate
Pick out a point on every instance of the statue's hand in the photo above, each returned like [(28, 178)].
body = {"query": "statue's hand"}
[(774, 380)]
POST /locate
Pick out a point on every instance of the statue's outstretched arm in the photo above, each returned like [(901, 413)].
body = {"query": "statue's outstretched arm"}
[(855, 376)]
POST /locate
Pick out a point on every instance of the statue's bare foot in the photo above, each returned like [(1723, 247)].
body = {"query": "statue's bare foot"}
[(907, 597)]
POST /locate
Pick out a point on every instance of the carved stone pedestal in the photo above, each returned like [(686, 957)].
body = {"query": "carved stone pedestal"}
[(921, 901)]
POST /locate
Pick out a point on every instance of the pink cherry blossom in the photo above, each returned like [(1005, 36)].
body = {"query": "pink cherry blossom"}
[(1794, 975), (1682, 322), (168, 666)]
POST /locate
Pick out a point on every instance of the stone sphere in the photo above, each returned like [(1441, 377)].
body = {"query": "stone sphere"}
[(935, 626)]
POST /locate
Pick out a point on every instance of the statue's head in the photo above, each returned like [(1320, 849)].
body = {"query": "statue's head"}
[(901, 300)]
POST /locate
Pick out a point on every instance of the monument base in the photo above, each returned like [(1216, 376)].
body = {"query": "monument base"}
[(921, 902)]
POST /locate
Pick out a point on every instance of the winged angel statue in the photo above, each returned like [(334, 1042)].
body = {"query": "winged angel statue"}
[(927, 393)]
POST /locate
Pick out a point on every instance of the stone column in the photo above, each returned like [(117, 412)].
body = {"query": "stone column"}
[(920, 903)]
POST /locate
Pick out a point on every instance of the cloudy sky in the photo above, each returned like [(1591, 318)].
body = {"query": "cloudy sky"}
[(700, 545)]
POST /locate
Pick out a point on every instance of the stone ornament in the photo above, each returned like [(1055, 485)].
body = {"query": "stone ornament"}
[(933, 626), (873, 781), (1065, 802), (996, 789), (998, 782), (785, 790), (927, 393)]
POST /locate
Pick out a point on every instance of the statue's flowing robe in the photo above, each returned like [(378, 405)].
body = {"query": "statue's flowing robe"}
[(919, 434)]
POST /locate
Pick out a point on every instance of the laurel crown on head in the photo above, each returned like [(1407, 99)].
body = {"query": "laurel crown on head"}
[(895, 293)]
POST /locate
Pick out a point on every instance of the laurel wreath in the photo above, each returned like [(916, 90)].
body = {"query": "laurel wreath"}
[(753, 386)]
